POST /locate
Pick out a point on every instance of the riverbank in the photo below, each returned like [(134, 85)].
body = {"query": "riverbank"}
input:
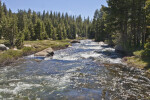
[(9, 56), (137, 61)]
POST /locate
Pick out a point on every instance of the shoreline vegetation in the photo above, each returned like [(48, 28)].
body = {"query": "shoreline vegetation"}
[(137, 61), (10, 56)]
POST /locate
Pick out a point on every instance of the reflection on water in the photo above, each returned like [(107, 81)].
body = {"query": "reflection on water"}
[(85, 71)]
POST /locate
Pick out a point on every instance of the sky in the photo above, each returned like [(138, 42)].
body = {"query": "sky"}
[(84, 8)]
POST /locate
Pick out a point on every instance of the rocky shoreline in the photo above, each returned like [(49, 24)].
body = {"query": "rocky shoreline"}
[(10, 56)]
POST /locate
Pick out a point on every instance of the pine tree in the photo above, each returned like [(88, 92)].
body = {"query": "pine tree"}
[(60, 32), (31, 30), (1, 16), (38, 30), (19, 40), (54, 34), (11, 30), (44, 34), (34, 18), (5, 9), (49, 28)]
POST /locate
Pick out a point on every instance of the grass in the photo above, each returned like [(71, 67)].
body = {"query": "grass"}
[(138, 61), (42, 44), (9, 56)]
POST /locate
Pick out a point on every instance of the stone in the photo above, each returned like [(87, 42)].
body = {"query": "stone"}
[(27, 45), (45, 53), (75, 41), (101, 43), (15, 49), (3, 47)]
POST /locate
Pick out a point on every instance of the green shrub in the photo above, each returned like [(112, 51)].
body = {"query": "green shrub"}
[(27, 50), (9, 56), (146, 53), (14, 53), (147, 45), (138, 53)]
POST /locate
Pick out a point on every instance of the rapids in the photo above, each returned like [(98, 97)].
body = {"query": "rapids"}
[(85, 71)]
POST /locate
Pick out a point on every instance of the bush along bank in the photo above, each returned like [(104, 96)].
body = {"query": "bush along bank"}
[(9, 56), (140, 58)]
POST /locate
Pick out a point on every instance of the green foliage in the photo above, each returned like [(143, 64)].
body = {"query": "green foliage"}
[(10, 29), (38, 30), (146, 53), (138, 53), (27, 50), (19, 40), (9, 56), (147, 45)]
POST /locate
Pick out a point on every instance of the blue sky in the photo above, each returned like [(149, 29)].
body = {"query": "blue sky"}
[(73, 7)]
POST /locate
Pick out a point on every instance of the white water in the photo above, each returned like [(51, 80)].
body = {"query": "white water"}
[(73, 73)]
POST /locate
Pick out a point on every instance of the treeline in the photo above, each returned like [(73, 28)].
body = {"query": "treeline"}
[(122, 22), (31, 25)]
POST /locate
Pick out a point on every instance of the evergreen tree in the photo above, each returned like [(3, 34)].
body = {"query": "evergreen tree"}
[(31, 30), (11, 30), (38, 30), (54, 34), (34, 18), (49, 29), (19, 40)]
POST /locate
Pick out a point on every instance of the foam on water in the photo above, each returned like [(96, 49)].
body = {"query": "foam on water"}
[(20, 86), (90, 54)]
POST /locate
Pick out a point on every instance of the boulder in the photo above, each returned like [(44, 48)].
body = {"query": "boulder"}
[(3, 47), (27, 45), (69, 46), (75, 41), (119, 49), (101, 43), (45, 53), (15, 49)]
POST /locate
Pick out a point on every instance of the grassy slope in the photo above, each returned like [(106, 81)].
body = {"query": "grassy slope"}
[(137, 61), (9, 56)]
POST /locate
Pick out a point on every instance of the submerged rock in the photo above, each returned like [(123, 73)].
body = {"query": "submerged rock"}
[(75, 41), (45, 53), (3, 47)]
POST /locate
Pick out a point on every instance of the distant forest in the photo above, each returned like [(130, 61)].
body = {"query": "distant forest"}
[(31, 25)]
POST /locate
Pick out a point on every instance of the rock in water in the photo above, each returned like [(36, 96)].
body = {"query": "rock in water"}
[(75, 41), (3, 47), (45, 53)]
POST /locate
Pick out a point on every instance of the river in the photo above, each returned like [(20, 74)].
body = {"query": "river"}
[(85, 71)]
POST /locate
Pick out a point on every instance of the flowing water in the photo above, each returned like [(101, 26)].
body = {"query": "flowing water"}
[(85, 71)]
